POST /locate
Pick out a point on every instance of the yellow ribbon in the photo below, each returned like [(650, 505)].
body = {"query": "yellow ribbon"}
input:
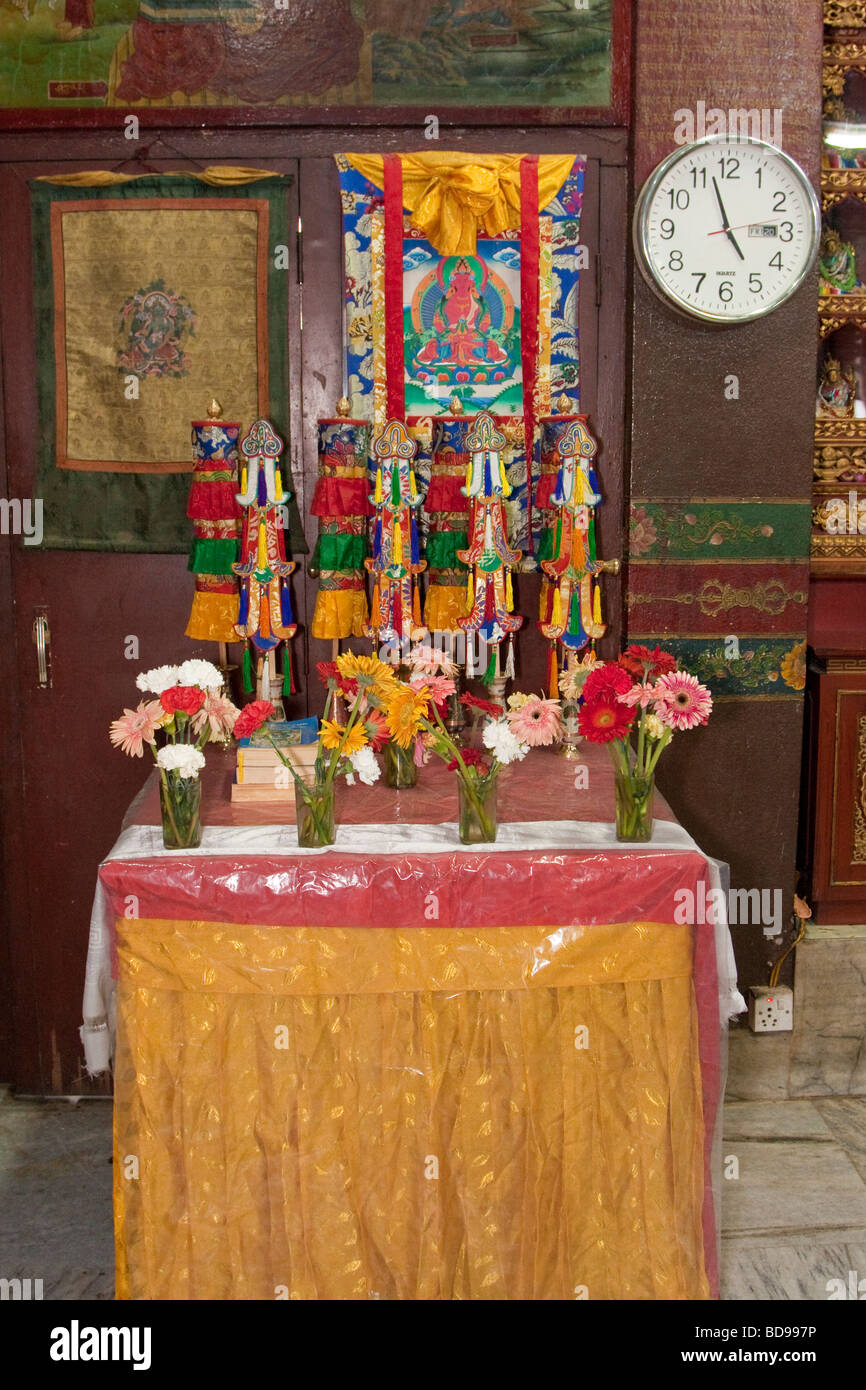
[(454, 198)]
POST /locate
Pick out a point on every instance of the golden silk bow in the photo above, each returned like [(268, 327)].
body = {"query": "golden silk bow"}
[(453, 198)]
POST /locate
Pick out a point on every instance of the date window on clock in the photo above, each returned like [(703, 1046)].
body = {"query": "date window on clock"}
[(763, 229)]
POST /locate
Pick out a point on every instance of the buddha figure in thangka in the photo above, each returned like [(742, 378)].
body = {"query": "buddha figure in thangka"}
[(463, 342)]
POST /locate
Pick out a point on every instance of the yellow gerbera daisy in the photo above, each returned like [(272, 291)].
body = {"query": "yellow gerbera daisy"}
[(404, 711), (331, 736), (367, 671)]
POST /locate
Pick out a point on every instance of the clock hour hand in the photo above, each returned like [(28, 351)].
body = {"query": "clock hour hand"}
[(726, 226)]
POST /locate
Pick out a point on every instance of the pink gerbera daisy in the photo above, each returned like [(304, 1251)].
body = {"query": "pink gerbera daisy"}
[(681, 701), (439, 688), (536, 722), (219, 711), (642, 695), (431, 661), (136, 727)]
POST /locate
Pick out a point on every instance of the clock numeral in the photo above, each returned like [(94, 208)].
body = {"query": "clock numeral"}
[(756, 284), (699, 174), (776, 262), (668, 228), (778, 201), (700, 276), (759, 173), (726, 291), (676, 261), (729, 167), (679, 199), (790, 227)]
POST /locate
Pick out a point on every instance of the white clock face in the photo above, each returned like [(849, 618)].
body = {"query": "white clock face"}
[(727, 229)]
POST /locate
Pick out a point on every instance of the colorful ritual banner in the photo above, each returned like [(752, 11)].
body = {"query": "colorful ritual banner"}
[(485, 305), (153, 294)]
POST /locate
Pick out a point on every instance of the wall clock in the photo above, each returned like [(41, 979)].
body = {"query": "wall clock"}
[(726, 229)]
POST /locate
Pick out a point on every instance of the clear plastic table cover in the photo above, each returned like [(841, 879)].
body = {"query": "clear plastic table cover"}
[(398, 910)]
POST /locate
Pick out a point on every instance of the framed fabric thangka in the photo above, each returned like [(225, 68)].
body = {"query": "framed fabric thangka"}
[(153, 294), (462, 278)]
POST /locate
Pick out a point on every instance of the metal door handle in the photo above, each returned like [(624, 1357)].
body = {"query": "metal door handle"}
[(42, 639)]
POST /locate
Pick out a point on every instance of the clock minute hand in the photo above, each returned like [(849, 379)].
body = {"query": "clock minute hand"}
[(726, 226)]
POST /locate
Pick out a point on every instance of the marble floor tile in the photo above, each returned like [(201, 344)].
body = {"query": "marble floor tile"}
[(790, 1187), (846, 1118), (775, 1119), (788, 1272), (828, 1048), (758, 1065)]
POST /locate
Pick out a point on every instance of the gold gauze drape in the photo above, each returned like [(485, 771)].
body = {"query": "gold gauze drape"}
[(455, 198), (349, 1113)]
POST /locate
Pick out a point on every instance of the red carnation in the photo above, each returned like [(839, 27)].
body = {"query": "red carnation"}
[(252, 717), (472, 757), (605, 718), (327, 671), (186, 698), (472, 702), (607, 679)]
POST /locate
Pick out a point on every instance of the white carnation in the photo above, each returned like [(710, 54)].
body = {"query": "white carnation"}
[(201, 673), (364, 763), (157, 680), (505, 746), (181, 758)]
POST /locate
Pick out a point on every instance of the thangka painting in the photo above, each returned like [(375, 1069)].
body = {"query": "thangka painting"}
[(461, 328), (430, 53), (462, 323), (152, 296)]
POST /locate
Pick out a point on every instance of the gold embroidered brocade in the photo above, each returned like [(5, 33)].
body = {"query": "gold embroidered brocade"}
[(378, 1113)]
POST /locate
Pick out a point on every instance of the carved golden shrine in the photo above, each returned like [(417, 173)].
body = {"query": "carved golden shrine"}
[(839, 459)]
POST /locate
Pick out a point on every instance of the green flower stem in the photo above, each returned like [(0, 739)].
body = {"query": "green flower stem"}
[(317, 815), (656, 754), (469, 779), (167, 802), (641, 744), (477, 800)]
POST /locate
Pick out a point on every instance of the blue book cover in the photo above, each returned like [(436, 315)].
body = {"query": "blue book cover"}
[(286, 733)]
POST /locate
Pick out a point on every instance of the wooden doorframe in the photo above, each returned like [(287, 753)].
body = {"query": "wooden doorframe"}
[(260, 146)]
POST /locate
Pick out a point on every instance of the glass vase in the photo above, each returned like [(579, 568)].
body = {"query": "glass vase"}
[(400, 768), (314, 813), (180, 804), (476, 803), (634, 806)]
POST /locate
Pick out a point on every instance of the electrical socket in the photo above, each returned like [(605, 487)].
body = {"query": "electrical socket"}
[(771, 1010)]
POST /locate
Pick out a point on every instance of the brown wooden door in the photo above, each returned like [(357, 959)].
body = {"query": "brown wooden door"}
[(64, 790)]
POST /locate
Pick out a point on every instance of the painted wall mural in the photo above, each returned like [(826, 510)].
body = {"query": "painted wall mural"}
[(56, 53)]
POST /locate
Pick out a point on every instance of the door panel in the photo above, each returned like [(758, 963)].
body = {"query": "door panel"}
[(74, 787)]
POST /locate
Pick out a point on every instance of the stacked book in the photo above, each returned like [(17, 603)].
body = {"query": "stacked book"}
[(261, 775)]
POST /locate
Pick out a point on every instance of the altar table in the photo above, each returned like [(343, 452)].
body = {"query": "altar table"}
[(402, 1068)]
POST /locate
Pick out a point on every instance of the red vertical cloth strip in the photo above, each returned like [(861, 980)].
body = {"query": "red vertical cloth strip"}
[(529, 311), (394, 284)]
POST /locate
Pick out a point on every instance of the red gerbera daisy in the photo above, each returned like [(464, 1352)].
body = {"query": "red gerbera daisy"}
[(605, 718), (638, 660), (376, 729), (327, 671)]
